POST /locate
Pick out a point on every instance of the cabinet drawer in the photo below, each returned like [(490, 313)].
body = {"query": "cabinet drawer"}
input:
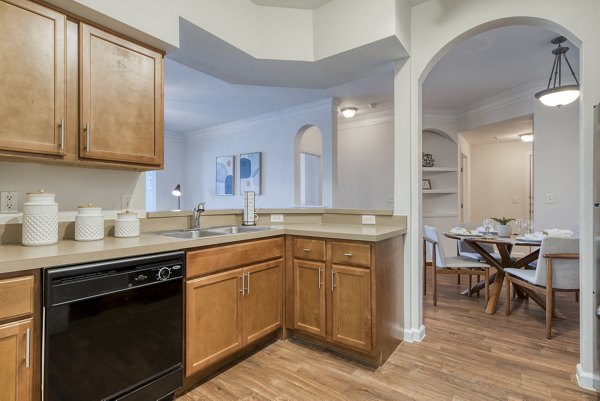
[(16, 297), (312, 249), (351, 253), (204, 261)]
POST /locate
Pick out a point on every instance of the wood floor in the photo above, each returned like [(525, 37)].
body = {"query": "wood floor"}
[(466, 355)]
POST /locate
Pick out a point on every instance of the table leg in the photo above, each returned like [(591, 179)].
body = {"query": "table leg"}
[(540, 301), (495, 295)]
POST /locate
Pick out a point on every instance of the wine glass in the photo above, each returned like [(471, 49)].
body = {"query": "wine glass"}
[(487, 225), (520, 223), (529, 226)]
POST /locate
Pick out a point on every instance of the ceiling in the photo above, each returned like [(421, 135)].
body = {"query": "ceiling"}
[(302, 4), (490, 63), (504, 131), (213, 82)]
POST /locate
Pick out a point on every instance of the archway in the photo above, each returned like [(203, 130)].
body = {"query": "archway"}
[(308, 167)]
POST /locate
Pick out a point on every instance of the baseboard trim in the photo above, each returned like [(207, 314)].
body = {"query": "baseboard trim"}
[(414, 335), (585, 379)]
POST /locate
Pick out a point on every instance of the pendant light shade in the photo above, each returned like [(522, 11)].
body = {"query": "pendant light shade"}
[(557, 94)]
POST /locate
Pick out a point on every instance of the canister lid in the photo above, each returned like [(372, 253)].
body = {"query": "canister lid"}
[(127, 215), (89, 205), (40, 192)]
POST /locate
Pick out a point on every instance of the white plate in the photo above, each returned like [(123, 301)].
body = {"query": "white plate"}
[(528, 239)]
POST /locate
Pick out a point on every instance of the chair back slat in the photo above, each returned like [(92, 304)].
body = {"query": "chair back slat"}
[(565, 272), (440, 257)]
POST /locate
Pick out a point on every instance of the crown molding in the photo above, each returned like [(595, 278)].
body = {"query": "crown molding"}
[(439, 115), (307, 109), (380, 117), (174, 135), (503, 99)]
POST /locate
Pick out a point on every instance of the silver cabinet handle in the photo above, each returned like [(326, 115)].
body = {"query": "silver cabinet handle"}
[(319, 279), (87, 137), (28, 338), (598, 312), (243, 277), (62, 134), (306, 250), (332, 280), (348, 254), (248, 284)]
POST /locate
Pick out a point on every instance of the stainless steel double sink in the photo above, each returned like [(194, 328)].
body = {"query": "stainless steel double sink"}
[(212, 231)]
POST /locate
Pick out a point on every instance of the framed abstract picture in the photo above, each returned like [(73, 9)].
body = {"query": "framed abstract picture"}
[(224, 176), (250, 172)]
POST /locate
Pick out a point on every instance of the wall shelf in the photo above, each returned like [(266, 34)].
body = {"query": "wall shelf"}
[(440, 169), (440, 191)]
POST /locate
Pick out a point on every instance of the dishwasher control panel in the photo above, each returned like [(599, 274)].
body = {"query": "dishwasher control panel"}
[(155, 274)]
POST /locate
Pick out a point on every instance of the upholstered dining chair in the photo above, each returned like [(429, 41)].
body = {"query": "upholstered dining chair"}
[(557, 270), (440, 264)]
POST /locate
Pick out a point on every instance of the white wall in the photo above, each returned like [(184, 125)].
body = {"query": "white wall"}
[(173, 173), (273, 135), (499, 174), (73, 186), (556, 166), (366, 162)]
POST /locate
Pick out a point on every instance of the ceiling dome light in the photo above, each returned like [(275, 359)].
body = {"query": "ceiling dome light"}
[(528, 137), (559, 95), (349, 112)]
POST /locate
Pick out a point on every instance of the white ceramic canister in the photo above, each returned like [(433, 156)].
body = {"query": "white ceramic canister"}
[(40, 219), (127, 224), (89, 223)]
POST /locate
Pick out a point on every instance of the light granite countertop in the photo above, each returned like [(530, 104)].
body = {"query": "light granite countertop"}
[(15, 258)]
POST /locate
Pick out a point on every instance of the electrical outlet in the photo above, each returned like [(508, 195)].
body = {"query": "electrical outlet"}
[(125, 201), (9, 202), (550, 198), (276, 218), (390, 198), (368, 219)]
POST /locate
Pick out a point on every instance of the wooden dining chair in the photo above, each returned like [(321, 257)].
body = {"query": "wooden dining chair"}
[(557, 270), (440, 264)]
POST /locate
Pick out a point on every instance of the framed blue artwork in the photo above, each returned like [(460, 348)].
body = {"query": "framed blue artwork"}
[(250, 172), (224, 179)]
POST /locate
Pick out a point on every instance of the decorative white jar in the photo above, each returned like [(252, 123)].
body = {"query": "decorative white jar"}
[(40, 219), (127, 225), (89, 223)]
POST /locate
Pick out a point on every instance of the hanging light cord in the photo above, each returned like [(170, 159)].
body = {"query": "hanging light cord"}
[(559, 52)]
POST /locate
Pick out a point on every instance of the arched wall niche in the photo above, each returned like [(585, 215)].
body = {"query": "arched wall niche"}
[(308, 167)]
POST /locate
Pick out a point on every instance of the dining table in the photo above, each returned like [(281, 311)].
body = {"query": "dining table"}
[(504, 246)]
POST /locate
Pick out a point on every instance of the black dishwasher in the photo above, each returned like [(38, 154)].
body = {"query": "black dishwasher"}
[(113, 330)]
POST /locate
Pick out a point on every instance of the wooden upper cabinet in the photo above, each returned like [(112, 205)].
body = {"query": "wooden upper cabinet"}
[(32, 78), (121, 99)]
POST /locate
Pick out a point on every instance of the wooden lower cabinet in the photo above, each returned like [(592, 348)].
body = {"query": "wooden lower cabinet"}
[(262, 300), (213, 318), (309, 297), (227, 311), (16, 371), (351, 306)]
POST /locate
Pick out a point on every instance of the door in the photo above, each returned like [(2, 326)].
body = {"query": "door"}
[(262, 300), (15, 363), (351, 306), (121, 99), (32, 78), (597, 245), (213, 319), (309, 297)]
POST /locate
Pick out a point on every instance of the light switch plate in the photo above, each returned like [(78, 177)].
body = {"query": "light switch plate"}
[(276, 218), (9, 202), (390, 198), (368, 219)]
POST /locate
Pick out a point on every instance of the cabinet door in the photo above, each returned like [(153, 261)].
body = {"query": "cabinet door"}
[(351, 306), (121, 99), (262, 300), (309, 297), (32, 77), (15, 368), (213, 319)]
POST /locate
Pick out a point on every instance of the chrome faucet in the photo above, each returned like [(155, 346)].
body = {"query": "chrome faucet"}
[(196, 215)]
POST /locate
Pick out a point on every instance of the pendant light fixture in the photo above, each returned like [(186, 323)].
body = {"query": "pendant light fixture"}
[(559, 94), (527, 137)]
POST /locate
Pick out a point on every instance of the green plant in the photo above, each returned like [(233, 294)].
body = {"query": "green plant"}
[(502, 220)]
